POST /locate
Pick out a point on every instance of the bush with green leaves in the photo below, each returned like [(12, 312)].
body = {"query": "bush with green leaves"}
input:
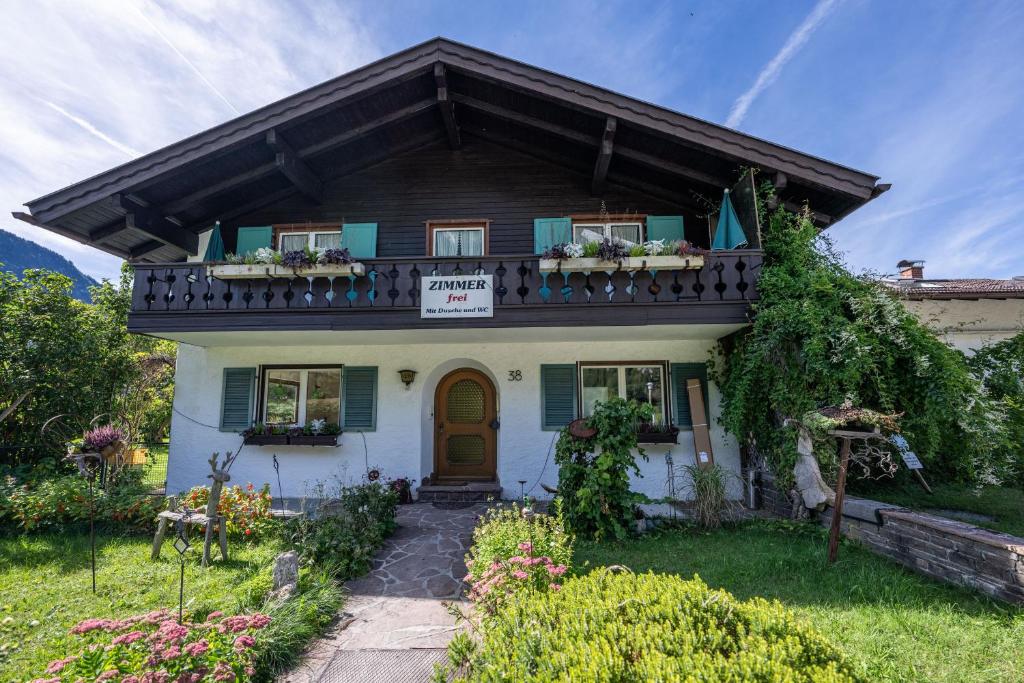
[(346, 530), (513, 551), (822, 336), (624, 627), (1000, 367), (593, 474)]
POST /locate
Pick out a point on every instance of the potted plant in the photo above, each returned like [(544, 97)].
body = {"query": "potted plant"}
[(611, 254), (403, 487), (316, 433), (107, 440), (265, 435), (267, 263)]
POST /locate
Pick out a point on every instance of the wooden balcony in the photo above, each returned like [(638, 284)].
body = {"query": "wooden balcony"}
[(183, 297)]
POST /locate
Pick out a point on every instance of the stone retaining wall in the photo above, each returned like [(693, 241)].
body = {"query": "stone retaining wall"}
[(945, 549)]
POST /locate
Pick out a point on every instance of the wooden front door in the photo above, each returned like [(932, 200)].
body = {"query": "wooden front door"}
[(465, 427)]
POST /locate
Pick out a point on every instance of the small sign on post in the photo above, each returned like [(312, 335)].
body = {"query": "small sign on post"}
[(910, 459)]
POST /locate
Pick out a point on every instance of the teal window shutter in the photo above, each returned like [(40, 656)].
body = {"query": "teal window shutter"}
[(680, 398), (557, 396), (668, 228), (237, 399), (547, 232), (359, 388), (360, 239), (251, 239)]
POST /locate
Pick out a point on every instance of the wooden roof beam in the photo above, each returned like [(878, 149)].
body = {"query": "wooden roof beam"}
[(70, 234), (294, 168), (526, 120), (143, 249), (444, 103), (154, 224), (672, 168), (604, 156)]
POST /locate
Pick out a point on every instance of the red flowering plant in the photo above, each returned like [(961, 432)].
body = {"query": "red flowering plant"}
[(155, 648), (247, 510), (525, 571)]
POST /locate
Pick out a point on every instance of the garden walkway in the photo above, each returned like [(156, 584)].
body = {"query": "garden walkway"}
[(394, 627)]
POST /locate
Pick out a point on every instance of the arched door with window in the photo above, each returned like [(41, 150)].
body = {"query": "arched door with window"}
[(465, 427)]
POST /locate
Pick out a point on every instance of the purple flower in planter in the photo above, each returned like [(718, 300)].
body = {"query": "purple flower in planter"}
[(295, 259), (97, 439), (335, 257)]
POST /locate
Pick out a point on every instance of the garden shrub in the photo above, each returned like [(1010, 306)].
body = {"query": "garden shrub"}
[(624, 627), (155, 647), (709, 494), (1000, 368), (346, 531), (63, 500), (593, 474), (246, 510), (822, 336), (512, 552)]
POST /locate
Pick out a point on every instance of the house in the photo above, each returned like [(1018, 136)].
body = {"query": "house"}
[(450, 351), (966, 313)]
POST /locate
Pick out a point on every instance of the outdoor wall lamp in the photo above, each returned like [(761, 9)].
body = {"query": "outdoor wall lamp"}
[(407, 376)]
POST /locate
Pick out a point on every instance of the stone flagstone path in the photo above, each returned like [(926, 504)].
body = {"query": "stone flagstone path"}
[(394, 626)]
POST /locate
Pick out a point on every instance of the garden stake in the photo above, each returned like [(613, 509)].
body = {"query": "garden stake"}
[(92, 533), (280, 489), (837, 509), (182, 545)]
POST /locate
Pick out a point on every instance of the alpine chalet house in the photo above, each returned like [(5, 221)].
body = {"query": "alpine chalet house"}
[(448, 255)]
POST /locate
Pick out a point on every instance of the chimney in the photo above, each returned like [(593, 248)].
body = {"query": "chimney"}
[(911, 269)]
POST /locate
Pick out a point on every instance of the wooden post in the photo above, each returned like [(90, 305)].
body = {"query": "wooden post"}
[(161, 528), (837, 510)]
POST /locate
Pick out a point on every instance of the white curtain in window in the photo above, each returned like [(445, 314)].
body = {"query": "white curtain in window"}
[(294, 242), (628, 233), (459, 242), (327, 240)]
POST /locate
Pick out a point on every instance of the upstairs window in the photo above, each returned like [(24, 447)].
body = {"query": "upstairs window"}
[(628, 232), (297, 241), (457, 238), (641, 382)]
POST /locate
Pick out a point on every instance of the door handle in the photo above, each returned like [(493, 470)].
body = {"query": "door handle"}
[(440, 426), (495, 424)]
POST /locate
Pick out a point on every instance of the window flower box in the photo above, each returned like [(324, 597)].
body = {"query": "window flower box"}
[(314, 440), (629, 263), (266, 440), (248, 271), (655, 434)]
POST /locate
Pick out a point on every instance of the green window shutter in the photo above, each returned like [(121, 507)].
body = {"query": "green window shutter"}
[(359, 388), (680, 400), (668, 228), (557, 396), (360, 239), (251, 239), (237, 399), (547, 232)]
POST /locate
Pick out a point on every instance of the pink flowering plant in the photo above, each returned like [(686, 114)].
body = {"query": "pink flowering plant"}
[(155, 648), (512, 552)]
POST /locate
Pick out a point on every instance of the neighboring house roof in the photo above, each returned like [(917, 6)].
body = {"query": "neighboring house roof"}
[(967, 288), (153, 207)]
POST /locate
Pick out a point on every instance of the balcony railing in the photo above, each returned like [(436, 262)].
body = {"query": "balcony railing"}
[(187, 289)]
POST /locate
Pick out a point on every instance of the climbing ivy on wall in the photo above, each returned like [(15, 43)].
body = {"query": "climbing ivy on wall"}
[(822, 336)]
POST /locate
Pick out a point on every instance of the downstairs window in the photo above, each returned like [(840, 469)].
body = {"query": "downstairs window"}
[(300, 395), (641, 382)]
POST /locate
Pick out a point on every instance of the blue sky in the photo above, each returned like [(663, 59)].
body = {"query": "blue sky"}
[(928, 95)]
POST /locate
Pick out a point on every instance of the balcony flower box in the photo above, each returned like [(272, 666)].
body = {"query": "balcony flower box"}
[(249, 271), (630, 263), (314, 440), (655, 434)]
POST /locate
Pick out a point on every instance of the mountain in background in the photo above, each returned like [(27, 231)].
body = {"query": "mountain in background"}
[(17, 254)]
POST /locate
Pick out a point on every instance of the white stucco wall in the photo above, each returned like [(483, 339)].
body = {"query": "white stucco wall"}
[(402, 445), (968, 325)]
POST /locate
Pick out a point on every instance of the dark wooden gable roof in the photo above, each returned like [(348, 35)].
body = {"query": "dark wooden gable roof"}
[(153, 207)]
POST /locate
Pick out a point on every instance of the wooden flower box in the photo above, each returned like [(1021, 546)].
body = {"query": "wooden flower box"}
[(249, 271), (630, 263), (314, 440), (656, 435), (267, 440)]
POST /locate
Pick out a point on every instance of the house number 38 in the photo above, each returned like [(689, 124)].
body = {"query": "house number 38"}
[(515, 375)]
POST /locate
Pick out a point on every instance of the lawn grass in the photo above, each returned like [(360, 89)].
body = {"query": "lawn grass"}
[(1004, 504), (894, 625), (47, 579)]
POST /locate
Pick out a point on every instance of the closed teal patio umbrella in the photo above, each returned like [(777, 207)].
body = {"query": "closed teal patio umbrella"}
[(729, 234), (215, 247)]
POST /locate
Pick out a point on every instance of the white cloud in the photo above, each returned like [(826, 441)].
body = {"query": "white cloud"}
[(84, 84), (773, 68)]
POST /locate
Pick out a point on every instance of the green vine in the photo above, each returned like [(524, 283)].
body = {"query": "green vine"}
[(824, 337), (593, 473)]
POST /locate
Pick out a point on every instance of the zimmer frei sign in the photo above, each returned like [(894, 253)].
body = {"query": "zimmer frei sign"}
[(457, 296)]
